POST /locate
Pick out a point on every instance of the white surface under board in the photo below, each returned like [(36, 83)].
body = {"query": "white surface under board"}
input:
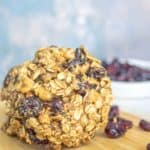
[(140, 107)]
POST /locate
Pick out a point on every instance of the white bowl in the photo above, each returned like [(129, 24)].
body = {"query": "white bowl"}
[(132, 90)]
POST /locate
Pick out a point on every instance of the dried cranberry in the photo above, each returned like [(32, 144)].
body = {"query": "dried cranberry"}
[(114, 130), (86, 85), (145, 125), (83, 85), (116, 126), (111, 70), (34, 139), (96, 73), (148, 146), (56, 104), (72, 63), (80, 58), (126, 123), (29, 107), (122, 78), (10, 77), (80, 55), (114, 112), (92, 86), (79, 77), (81, 92), (126, 72)]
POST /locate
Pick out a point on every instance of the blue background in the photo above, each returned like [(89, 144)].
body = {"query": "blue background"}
[(106, 27)]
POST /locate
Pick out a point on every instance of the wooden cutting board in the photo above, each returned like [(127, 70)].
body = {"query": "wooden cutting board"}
[(135, 139)]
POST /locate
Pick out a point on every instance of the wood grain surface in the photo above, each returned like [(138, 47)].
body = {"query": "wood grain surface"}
[(135, 139)]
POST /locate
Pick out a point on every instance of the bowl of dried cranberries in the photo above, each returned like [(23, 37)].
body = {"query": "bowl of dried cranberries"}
[(130, 77)]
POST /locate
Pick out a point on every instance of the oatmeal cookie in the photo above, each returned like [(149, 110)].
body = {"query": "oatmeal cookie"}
[(61, 97)]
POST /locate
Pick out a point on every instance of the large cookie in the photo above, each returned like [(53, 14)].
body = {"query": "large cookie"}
[(61, 97)]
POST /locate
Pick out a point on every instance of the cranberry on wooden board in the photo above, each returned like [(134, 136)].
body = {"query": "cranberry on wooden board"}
[(114, 112), (124, 122), (148, 146), (114, 130), (145, 125), (117, 126)]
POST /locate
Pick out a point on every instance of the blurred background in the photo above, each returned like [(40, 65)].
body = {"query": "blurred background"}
[(107, 28)]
